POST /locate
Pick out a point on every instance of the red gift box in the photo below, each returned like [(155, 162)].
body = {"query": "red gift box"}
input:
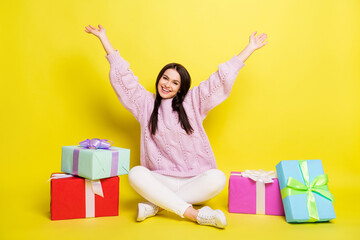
[(74, 197)]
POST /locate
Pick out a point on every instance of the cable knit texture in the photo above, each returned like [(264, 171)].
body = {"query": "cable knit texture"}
[(171, 151)]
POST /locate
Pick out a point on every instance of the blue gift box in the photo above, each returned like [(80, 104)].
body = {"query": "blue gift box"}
[(306, 197)]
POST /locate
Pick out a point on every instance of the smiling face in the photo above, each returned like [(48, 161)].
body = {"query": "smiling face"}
[(169, 83)]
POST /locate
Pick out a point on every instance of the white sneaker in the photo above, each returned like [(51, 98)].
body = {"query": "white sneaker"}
[(145, 210), (215, 218)]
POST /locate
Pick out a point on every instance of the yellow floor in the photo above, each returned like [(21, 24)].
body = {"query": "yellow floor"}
[(26, 215)]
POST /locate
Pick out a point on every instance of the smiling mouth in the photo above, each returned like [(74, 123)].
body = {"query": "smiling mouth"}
[(165, 90)]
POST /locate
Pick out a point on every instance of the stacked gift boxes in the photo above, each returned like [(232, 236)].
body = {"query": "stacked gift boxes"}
[(90, 187), (299, 192)]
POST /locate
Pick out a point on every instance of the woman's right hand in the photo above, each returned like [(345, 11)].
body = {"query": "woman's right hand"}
[(97, 32), (101, 34)]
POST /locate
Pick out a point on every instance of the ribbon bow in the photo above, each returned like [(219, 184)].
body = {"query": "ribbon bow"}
[(260, 175), (96, 143), (319, 185)]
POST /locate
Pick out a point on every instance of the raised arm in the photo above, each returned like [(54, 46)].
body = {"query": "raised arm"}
[(255, 43), (129, 91), (101, 34), (217, 87)]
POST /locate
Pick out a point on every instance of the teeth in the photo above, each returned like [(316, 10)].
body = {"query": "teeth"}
[(165, 90)]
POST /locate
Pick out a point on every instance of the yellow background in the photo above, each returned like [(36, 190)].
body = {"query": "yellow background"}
[(296, 98)]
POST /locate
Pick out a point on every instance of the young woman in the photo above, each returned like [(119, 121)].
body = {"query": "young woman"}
[(178, 167)]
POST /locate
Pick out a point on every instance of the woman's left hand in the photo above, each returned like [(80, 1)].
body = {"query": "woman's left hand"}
[(257, 42)]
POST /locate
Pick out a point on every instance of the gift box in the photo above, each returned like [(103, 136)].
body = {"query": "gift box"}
[(95, 163), (304, 191), (76, 197), (255, 192)]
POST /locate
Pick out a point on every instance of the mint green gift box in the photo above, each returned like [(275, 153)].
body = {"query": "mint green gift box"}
[(95, 164)]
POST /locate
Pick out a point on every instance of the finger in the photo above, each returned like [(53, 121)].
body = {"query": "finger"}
[(101, 27), (253, 34), (263, 37), (92, 27), (265, 43), (89, 29)]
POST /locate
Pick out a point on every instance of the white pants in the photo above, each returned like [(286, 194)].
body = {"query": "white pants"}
[(176, 194)]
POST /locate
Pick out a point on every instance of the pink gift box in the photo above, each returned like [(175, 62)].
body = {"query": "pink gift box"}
[(242, 196)]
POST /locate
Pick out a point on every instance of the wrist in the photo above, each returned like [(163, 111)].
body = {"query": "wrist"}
[(250, 48), (102, 37)]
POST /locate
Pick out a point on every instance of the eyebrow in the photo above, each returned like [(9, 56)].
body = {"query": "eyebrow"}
[(173, 80)]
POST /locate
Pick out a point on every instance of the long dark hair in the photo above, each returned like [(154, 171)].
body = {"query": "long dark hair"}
[(177, 100)]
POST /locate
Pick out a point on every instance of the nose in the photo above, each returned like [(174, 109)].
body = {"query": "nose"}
[(167, 84)]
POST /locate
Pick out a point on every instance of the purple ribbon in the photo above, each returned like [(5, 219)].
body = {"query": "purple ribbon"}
[(76, 161), (114, 162), (96, 143)]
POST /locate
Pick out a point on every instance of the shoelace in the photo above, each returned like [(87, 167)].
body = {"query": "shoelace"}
[(207, 219)]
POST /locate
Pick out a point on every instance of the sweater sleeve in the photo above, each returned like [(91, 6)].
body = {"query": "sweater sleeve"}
[(131, 94), (217, 87)]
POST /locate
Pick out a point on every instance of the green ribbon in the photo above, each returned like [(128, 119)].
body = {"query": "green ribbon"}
[(319, 185)]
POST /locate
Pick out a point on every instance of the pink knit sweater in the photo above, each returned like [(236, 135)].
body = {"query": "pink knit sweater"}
[(171, 151)]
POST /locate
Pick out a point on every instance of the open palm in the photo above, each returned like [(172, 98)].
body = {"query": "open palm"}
[(258, 41), (96, 31)]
